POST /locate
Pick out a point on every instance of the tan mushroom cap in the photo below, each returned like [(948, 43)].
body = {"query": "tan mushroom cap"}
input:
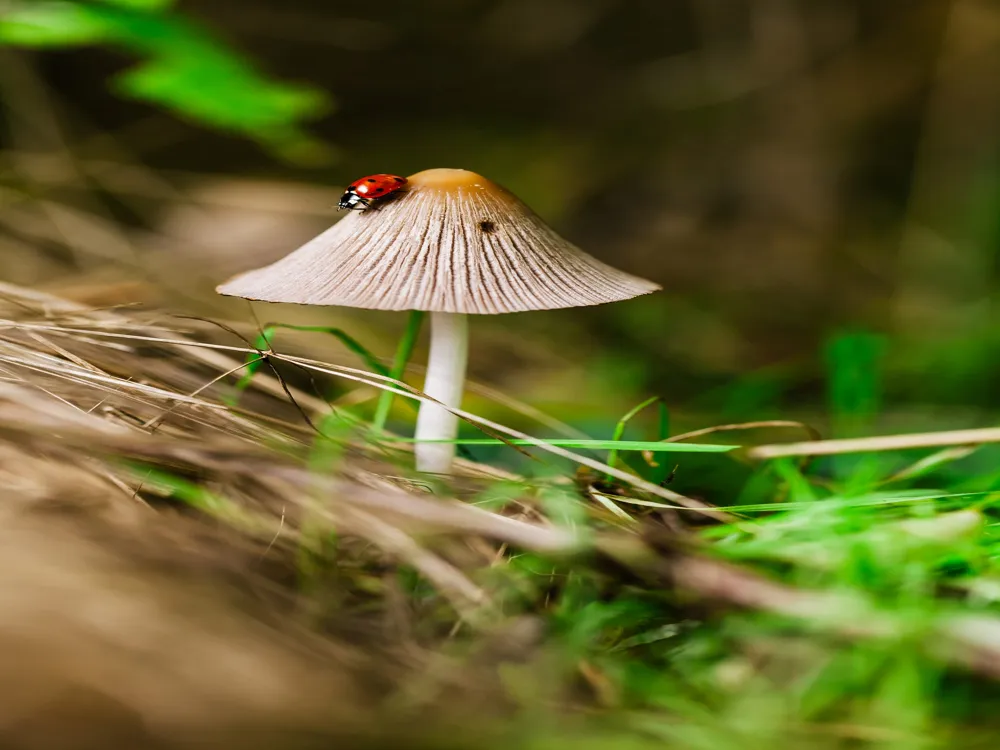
[(449, 241)]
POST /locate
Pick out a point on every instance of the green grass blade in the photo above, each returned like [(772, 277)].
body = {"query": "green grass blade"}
[(664, 426), (619, 445), (853, 362), (874, 500), (623, 422), (370, 360), (253, 362), (854, 390), (403, 353), (263, 343)]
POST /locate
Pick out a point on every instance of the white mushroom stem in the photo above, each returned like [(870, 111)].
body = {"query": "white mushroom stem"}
[(445, 382)]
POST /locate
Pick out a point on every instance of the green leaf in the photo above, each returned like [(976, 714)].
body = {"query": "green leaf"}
[(222, 93), (183, 68), (54, 24), (195, 75)]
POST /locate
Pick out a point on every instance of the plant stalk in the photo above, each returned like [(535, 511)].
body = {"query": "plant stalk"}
[(403, 353), (445, 383)]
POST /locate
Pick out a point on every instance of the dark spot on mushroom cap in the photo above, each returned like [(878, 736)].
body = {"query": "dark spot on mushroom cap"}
[(487, 226)]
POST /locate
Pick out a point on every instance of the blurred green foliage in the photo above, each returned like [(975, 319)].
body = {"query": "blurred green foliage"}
[(855, 389), (184, 68)]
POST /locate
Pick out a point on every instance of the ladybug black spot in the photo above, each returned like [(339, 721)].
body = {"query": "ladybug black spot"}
[(399, 179), (369, 180), (379, 190), (487, 226)]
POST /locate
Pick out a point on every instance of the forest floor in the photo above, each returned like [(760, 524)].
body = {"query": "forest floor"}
[(193, 557)]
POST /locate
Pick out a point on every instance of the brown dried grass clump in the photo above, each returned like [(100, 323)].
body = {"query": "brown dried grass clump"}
[(162, 564), (175, 572)]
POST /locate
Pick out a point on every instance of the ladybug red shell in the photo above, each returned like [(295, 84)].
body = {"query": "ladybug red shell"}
[(361, 193)]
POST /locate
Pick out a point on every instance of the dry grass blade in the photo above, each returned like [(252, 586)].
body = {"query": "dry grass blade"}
[(740, 426), (876, 444)]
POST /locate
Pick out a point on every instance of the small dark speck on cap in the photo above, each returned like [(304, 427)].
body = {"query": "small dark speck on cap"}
[(487, 226)]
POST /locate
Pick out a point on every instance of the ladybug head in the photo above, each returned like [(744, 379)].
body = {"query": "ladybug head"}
[(351, 200)]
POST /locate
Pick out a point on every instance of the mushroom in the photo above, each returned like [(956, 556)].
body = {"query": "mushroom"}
[(452, 243)]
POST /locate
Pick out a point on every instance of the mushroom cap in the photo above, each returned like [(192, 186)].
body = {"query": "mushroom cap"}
[(449, 241)]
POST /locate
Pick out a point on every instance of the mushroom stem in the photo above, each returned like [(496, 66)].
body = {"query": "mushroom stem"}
[(445, 382)]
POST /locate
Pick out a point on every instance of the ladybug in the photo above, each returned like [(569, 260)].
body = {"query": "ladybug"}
[(361, 193)]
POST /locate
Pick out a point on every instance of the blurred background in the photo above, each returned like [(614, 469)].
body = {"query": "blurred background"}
[(815, 183)]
